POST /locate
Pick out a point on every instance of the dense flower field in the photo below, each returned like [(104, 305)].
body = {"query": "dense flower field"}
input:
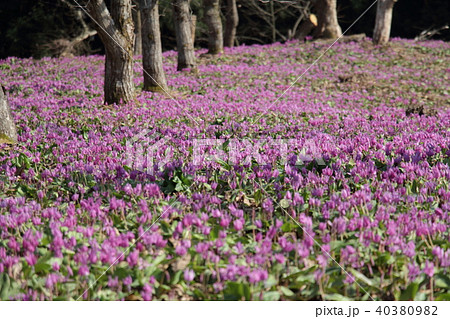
[(331, 193)]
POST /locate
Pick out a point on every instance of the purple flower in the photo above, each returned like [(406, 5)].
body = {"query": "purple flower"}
[(384, 185), (51, 280), (438, 252), (127, 281), (238, 224), (257, 276), (225, 221), (413, 271), (189, 275), (218, 286), (133, 258), (83, 270), (429, 269), (147, 292), (239, 248), (298, 199), (113, 282), (268, 205), (410, 249), (280, 258), (180, 250), (31, 259)]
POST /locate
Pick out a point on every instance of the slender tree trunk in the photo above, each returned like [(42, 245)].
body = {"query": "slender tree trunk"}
[(116, 30), (193, 28), (383, 21), (70, 49), (214, 23), (154, 76), (182, 17), (273, 23), (231, 23), (8, 133), (138, 32), (328, 26)]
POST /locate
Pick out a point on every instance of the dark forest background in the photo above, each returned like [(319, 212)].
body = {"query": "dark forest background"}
[(30, 27)]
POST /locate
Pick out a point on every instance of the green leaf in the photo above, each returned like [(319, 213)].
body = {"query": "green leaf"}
[(121, 272), (214, 234), (176, 277), (336, 297), (61, 298), (359, 276), (385, 259), (288, 227), (286, 291), (159, 259), (443, 297), (5, 283), (224, 164), (410, 292), (271, 296), (442, 281), (258, 195), (237, 291), (42, 265), (199, 294), (270, 282), (285, 203), (45, 240), (304, 276)]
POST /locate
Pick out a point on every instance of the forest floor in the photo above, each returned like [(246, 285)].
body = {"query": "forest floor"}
[(266, 177)]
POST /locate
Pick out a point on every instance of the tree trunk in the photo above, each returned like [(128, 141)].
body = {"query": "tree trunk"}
[(8, 133), (154, 76), (328, 26), (138, 33), (116, 31), (193, 27), (182, 17), (214, 23), (273, 23), (231, 23), (383, 21)]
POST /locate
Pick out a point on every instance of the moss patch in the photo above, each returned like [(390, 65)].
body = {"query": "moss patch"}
[(4, 139)]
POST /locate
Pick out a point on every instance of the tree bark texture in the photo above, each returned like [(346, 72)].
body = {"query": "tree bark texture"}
[(137, 17), (383, 21), (214, 23), (328, 26), (116, 30), (193, 28), (231, 23), (154, 76), (8, 132), (185, 47)]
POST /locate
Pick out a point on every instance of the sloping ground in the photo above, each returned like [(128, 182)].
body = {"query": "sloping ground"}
[(332, 183)]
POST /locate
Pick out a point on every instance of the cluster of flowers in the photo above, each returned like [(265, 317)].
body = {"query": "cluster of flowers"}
[(371, 194)]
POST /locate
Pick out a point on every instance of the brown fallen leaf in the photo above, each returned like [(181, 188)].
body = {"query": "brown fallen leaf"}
[(181, 262)]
